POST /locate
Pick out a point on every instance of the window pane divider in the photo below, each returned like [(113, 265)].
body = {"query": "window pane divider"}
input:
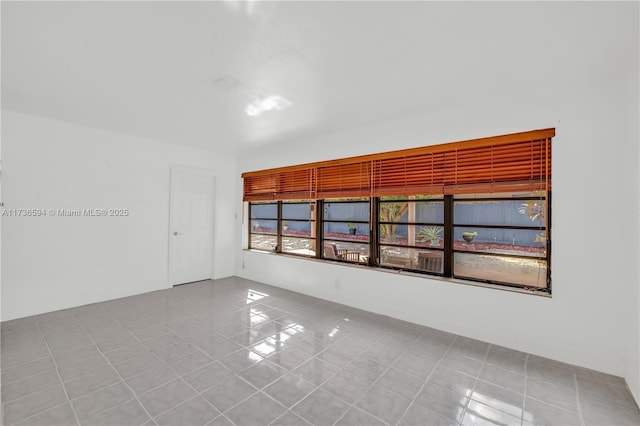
[(532, 228), (448, 236)]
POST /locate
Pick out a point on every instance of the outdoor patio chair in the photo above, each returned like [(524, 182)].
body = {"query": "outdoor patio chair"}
[(430, 262), (331, 251)]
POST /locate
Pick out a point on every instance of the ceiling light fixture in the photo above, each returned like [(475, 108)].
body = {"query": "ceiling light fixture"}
[(270, 103)]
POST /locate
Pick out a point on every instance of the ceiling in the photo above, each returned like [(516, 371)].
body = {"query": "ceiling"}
[(185, 72)]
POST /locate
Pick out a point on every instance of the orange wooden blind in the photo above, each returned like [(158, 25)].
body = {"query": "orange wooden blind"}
[(346, 180), (284, 185), (518, 161)]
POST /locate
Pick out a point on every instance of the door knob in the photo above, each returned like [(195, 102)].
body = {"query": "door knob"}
[(176, 233)]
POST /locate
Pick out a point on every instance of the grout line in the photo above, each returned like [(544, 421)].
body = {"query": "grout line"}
[(270, 383), (210, 422), (236, 404), (98, 390), (180, 404), (372, 384), (64, 388), (178, 376), (500, 385), (4, 370), (135, 396), (38, 413), (475, 383), (262, 305), (427, 381), (7, 401), (526, 383), (320, 386), (167, 365), (578, 405), (546, 402), (198, 394)]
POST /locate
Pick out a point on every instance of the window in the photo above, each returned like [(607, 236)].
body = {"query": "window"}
[(263, 226), (299, 228), (286, 227), (345, 230), (475, 210), (501, 238), (411, 232)]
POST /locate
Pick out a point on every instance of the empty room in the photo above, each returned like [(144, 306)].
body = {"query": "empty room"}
[(320, 213)]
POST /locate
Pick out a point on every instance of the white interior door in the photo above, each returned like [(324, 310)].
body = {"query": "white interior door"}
[(191, 225)]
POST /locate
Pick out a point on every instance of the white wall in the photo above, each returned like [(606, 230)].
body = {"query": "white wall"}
[(633, 367), (594, 216), (51, 263)]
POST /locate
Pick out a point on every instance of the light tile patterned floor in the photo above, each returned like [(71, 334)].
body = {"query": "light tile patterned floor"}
[(236, 352)]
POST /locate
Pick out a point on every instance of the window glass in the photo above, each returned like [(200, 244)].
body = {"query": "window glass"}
[(500, 239), (266, 211), (345, 230), (399, 211), (263, 242), (358, 211), (345, 251), (346, 221), (412, 258), (302, 246), (412, 235), (496, 238), (300, 211), (408, 226), (512, 270), (297, 228), (523, 242), (264, 226), (501, 212)]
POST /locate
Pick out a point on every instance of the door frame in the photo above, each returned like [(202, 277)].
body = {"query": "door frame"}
[(213, 175)]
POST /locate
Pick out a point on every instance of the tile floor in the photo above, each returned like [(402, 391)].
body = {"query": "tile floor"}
[(236, 352)]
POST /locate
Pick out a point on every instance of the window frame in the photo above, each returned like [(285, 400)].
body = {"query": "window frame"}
[(448, 244), (310, 220), (547, 249), (410, 266), (514, 163), (348, 256), (251, 219), (279, 226)]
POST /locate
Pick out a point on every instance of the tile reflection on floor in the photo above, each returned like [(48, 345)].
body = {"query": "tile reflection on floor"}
[(236, 352)]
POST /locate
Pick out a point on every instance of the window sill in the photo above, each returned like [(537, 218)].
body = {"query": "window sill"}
[(407, 273)]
